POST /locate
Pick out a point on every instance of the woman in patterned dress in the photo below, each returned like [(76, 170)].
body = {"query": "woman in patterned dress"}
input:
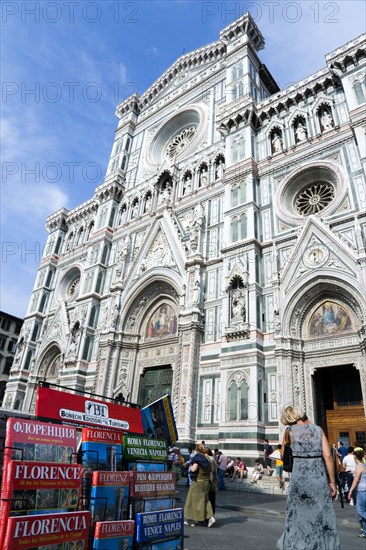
[(310, 522)]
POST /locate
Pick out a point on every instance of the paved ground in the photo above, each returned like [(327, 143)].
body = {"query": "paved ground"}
[(255, 520)]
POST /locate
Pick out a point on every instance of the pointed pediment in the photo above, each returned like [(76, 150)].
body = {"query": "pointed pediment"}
[(236, 270), (162, 249), (56, 330), (317, 250)]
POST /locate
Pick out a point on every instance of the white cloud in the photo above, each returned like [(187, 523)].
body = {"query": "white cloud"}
[(152, 50)]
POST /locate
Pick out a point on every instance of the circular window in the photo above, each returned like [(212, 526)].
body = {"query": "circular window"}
[(178, 136), (69, 285), (317, 188), (73, 287), (314, 198)]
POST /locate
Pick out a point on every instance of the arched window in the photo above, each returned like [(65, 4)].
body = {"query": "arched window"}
[(259, 312), (105, 255), (103, 216), (35, 332), (244, 391), (234, 195), (41, 276), (243, 227), (90, 229), (234, 151), (58, 245), (233, 401), (360, 91), (124, 162), (234, 230), (43, 303), (28, 360), (122, 214), (87, 349), (93, 319), (243, 192), (100, 283), (259, 400), (49, 277), (79, 238), (111, 217)]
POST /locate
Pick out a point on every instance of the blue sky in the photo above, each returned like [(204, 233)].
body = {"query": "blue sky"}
[(67, 64)]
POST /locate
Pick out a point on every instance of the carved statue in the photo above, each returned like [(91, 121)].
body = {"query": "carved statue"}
[(148, 203), (220, 170), (196, 292), (165, 194), (276, 143), (187, 185), (203, 178), (238, 305), (327, 121), (300, 132), (135, 210)]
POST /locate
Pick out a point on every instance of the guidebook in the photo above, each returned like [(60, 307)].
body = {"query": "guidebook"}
[(153, 484), (101, 449), (33, 488), (113, 535), (109, 496), (161, 527), (62, 531)]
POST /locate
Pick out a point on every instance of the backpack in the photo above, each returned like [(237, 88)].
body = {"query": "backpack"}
[(214, 478)]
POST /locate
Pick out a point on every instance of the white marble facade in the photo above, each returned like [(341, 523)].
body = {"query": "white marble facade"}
[(232, 215)]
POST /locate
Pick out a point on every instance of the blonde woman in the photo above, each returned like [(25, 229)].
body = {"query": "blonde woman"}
[(198, 506), (310, 518)]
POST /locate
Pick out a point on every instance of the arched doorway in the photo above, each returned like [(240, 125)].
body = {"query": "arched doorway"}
[(339, 404)]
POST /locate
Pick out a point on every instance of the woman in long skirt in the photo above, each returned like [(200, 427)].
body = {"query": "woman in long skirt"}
[(198, 506)]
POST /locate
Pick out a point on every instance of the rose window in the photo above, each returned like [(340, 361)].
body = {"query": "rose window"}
[(180, 142), (73, 286), (314, 198)]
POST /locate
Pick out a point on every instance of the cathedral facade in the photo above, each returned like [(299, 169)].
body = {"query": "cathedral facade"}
[(222, 259)]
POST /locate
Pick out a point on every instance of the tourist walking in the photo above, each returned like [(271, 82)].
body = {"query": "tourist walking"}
[(310, 518), (359, 485), (279, 469), (221, 468), (198, 506), (214, 480)]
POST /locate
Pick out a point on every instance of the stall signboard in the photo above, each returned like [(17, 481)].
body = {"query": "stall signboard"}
[(76, 409), (159, 526), (144, 449), (152, 484)]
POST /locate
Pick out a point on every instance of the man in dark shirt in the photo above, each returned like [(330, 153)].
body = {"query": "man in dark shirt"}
[(268, 450)]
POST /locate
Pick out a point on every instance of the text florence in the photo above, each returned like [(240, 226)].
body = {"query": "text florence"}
[(47, 472), (48, 526)]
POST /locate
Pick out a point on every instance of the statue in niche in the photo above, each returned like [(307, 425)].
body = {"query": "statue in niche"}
[(276, 143), (165, 194), (237, 305), (198, 219), (122, 255), (104, 316), (135, 210), (131, 322), (115, 312), (220, 169), (300, 132), (187, 185), (148, 204), (327, 120), (203, 177), (196, 292)]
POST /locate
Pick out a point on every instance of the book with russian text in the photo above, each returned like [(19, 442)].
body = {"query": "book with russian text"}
[(101, 449), (152, 484), (113, 535), (154, 527), (61, 531), (30, 440)]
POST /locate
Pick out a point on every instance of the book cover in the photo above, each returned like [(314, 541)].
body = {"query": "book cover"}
[(159, 526), (146, 467), (113, 535), (152, 484), (30, 440), (62, 530), (158, 420), (34, 488), (39, 441), (152, 505), (144, 448), (101, 449), (109, 496)]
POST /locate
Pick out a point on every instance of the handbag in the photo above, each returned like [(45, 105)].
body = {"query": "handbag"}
[(287, 458)]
